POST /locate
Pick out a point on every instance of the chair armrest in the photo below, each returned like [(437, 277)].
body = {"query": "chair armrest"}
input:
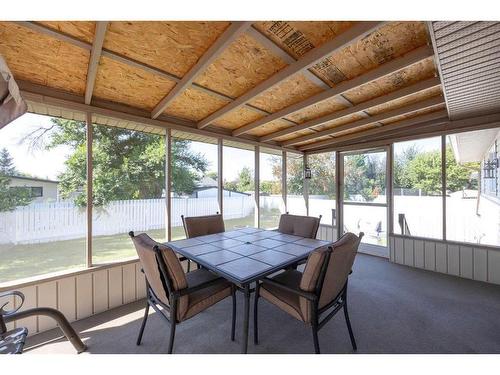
[(310, 296), (185, 291), (6, 313)]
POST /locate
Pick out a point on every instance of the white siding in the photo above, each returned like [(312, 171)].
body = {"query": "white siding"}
[(475, 262)]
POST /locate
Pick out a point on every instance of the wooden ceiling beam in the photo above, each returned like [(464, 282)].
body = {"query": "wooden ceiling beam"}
[(434, 117), (352, 35), (409, 108), (227, 37), (425, 130), (95, 56), (395, 95), (34, 93), (386, 69)]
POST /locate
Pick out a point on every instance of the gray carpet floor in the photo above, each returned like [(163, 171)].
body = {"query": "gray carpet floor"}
[(393, 308)]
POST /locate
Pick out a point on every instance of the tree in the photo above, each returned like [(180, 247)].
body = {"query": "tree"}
[(245, 180), (7, 167), (10, 196), (126, 164), (401, 162)]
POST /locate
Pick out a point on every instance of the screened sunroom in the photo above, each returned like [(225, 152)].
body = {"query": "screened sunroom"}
[(296, 138)]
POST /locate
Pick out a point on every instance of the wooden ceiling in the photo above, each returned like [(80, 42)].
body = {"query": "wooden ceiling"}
[(303, 85)]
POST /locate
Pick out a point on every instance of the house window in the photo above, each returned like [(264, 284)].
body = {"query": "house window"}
[(36, 192), (128, 179), (194, 179), (322, 186), (41, 238), (417, 188), (239, 184), (472, 168), (270, 188), (295, 202)]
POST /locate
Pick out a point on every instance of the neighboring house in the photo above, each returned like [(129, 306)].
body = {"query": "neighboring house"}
[(207, 188), (41, 190), (483, 146)]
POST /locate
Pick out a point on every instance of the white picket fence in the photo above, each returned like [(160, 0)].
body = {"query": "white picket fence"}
[(46, 222)]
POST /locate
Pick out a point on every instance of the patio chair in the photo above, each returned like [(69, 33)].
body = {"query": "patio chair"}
[(320, 289), (303, 226), (196, 226), (12, 342), (180, 295)]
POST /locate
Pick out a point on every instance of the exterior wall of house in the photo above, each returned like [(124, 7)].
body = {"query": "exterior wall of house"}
[(49, 188)]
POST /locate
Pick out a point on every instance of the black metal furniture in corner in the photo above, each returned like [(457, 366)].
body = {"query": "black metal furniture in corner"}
[(12, 342)]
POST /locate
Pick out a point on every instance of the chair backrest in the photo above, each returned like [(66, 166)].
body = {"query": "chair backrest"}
[(158, 281), (338, 268), (196, 226), (304, 226)]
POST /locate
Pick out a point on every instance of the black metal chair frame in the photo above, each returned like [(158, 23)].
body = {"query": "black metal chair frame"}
[(15, 314), (339, 302), (173, 298)]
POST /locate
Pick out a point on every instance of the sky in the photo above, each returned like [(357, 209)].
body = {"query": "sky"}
[(49, 164), (37, 163)]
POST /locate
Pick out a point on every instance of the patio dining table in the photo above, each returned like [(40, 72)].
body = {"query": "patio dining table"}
[(245, 255)]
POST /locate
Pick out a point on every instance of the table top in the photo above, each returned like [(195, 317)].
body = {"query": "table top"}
[(247, 254)]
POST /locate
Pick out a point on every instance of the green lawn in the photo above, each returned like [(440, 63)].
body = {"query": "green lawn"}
[(21, 261)]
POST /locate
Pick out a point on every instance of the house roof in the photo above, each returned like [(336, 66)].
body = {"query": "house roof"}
[(27, 178), (472, 146)]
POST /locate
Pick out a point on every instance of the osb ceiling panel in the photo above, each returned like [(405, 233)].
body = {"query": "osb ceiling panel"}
[(355, 130), (299, 37), (43, 60), (242, 66), (194, 105), (340, 121), (83, 30), (271, 127), (294, 135), (122, 83), (412, 74), (407, 100), (414, 113), (171, 46), (288, 92), (237, 118), (319, 139), (317, 110), (387, 43)]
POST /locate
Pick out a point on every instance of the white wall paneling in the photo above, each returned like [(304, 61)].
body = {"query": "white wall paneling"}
[(81, 294), (469, 261)]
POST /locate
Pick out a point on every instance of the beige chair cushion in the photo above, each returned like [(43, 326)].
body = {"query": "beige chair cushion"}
[(144, 246), (304, 226), (196, 226), (285, 300), (339, 266), (206, 297)]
